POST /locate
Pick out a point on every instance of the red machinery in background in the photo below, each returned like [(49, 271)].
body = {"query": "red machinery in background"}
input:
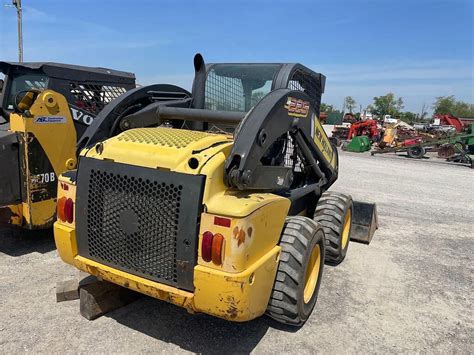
[(364, 128), (449, 120)]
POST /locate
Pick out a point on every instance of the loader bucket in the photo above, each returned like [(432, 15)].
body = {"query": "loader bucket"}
[(364, 222)]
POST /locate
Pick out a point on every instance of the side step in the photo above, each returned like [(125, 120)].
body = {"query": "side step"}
[(364, 222)]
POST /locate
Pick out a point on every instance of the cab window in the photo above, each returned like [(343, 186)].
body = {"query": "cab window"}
[(25, 82)]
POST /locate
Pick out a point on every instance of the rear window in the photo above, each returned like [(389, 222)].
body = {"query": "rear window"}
[(238, 87), (25, 82)]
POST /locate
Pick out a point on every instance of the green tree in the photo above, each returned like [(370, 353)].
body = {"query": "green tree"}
[(444, 105), (449, 105), (349, 103), (327, 108), (387, 105), (400, 106)]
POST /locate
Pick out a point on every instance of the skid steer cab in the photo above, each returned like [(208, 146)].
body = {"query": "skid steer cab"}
[(216, 200), (44, 108)]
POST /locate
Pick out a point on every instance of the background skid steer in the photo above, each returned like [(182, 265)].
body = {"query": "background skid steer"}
[(44, 108), (166, 202)]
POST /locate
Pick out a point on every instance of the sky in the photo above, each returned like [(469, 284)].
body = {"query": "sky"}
[(417, 49)]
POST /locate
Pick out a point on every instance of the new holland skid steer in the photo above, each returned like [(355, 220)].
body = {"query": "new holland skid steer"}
[(44, 107), (215, 201)]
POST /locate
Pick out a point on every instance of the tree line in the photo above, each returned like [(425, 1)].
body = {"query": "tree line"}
[(391, 105)]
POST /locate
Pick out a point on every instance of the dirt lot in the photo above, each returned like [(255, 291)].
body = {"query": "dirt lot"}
[(410, 290)]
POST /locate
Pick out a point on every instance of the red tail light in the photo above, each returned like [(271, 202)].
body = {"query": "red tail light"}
[(217, 249), (206, 246), (61, 204), (212, 247), (66, 209), (69, 210)]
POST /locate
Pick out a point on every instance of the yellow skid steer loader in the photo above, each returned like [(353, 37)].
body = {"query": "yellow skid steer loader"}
[(216, 201), (44, 108)]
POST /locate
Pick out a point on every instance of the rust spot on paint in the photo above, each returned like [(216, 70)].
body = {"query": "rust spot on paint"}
[(249, 231), (239, 235), (232, 309)]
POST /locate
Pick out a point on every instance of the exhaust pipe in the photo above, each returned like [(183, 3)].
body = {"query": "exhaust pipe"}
[(199, 83)]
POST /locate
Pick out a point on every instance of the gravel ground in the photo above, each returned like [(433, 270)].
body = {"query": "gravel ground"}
[(410, 290)]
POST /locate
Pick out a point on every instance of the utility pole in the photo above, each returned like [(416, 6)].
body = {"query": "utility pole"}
[(17, 4)]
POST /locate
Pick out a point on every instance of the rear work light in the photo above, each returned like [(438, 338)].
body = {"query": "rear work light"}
[(212, 247), (66, 210)]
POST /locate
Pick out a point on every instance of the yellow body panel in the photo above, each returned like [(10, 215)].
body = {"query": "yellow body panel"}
[(238, 297), (66, 243), (58, 141), (233, 296), (247, 238), (240, 288), (38, 214), (324, 145), (156, 148)]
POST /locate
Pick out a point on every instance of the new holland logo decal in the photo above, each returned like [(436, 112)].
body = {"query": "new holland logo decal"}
[(297, 107), (50, 119)]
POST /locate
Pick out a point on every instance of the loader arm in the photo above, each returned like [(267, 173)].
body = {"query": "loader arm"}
[(263, 139)]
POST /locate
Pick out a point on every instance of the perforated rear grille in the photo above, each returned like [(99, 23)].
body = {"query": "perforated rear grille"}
[(168, 137), (139, 220), (131, 219)]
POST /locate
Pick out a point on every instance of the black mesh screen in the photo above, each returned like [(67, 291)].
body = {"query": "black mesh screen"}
[(224, 93), (301, 82), (92, 97), (140, 220), (308, 84)]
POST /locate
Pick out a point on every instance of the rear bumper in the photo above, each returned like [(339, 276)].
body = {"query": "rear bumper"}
[(233, 296)]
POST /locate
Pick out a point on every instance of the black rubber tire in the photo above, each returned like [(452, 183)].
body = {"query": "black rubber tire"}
[(330, 212), (300, 235), (416, 152)]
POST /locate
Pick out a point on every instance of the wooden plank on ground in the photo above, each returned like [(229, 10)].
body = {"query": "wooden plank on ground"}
[(100, 297)]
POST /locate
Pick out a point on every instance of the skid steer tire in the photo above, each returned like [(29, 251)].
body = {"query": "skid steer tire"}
[(298, 278), (334, 212)]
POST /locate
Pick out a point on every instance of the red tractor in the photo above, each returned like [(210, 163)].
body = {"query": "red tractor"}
[(364, 128)]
